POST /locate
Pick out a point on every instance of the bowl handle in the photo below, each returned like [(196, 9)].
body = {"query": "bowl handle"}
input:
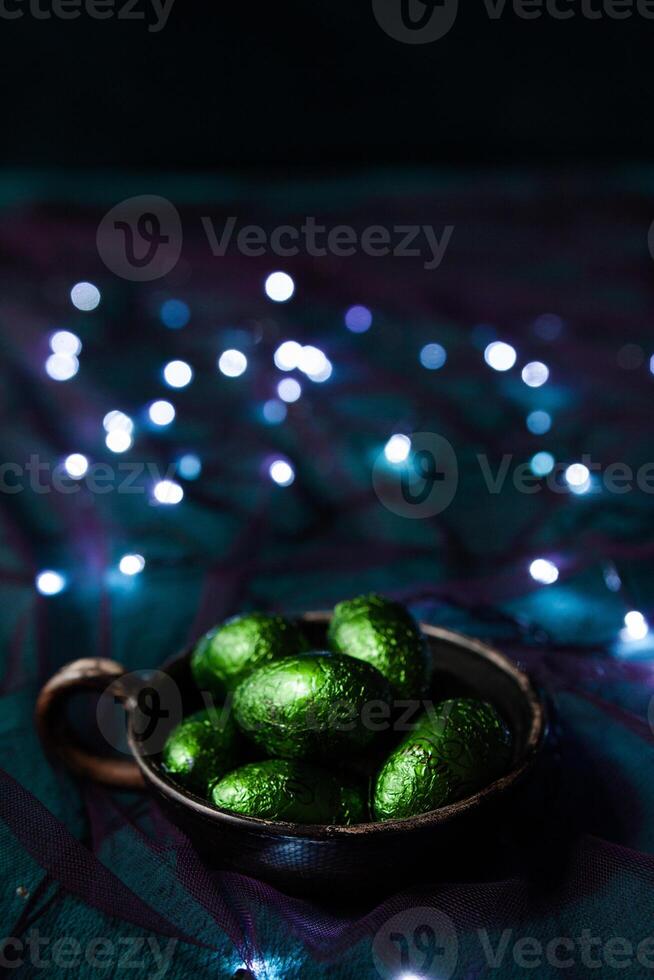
[(94, 674)]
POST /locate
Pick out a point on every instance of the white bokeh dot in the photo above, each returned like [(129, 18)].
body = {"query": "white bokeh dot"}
[(397, 449), (118, 440), (232, 363), (132, 564), (279, 287), (544, 571), (161, 413), (289, 390), (168, 492), (65, 342), (117, 420), (282, 473), (85, 296), (287, 355), (178, 374), (500, 356), (535, 374), (62, 367), (76, 465), (50, 583)]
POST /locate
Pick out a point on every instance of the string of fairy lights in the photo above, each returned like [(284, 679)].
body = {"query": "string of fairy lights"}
[(299, 363)]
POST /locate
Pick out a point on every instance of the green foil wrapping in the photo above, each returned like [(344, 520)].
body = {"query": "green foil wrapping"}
[(200, 748), (384, 634), (452, 753), (228, 653), (315, 706), (281, 789)]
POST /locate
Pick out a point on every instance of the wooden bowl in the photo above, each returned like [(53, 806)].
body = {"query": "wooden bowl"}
[(303, 857)]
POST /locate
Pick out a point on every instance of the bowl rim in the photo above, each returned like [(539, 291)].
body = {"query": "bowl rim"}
[(324, 832)]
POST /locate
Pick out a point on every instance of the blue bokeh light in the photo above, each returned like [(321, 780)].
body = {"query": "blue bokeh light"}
[(175, 314)]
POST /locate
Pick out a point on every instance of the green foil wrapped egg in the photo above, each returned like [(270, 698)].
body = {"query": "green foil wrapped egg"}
[(455, 750), (281, 789), (200, 748), (384, 634), (227, 653), (316, 706)]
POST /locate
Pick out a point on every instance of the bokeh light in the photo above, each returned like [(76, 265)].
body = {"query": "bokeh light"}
[(433, 356), (279, 287), (535, 374), (65, 342), (61, 367), (189, 466), (119, 440), (232, 363), (548, 326), (117, 420), (636, 626), (314, 363), (542, 464), (282, 472), (397, 449), (178, 374), (544, 571), (289, 390), (539, 422), (50, 583), (577, 476), (175, 314), (274, 411), (85, 296), (161, 412), (500, 356), (168, 492), (132, 564), (76, 465), (358, 319), (287, 355)]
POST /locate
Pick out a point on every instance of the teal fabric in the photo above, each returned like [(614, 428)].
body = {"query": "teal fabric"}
[(82, 862)]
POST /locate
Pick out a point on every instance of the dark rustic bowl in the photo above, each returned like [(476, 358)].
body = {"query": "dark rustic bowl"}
[(297, 856)]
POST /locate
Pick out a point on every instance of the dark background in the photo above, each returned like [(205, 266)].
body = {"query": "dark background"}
[(317, 85)]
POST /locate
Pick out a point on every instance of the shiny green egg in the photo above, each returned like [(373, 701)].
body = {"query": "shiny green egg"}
[(290, 791), (200, 748), (227, 653), (383, 633), (315, 706), (456, 749)]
